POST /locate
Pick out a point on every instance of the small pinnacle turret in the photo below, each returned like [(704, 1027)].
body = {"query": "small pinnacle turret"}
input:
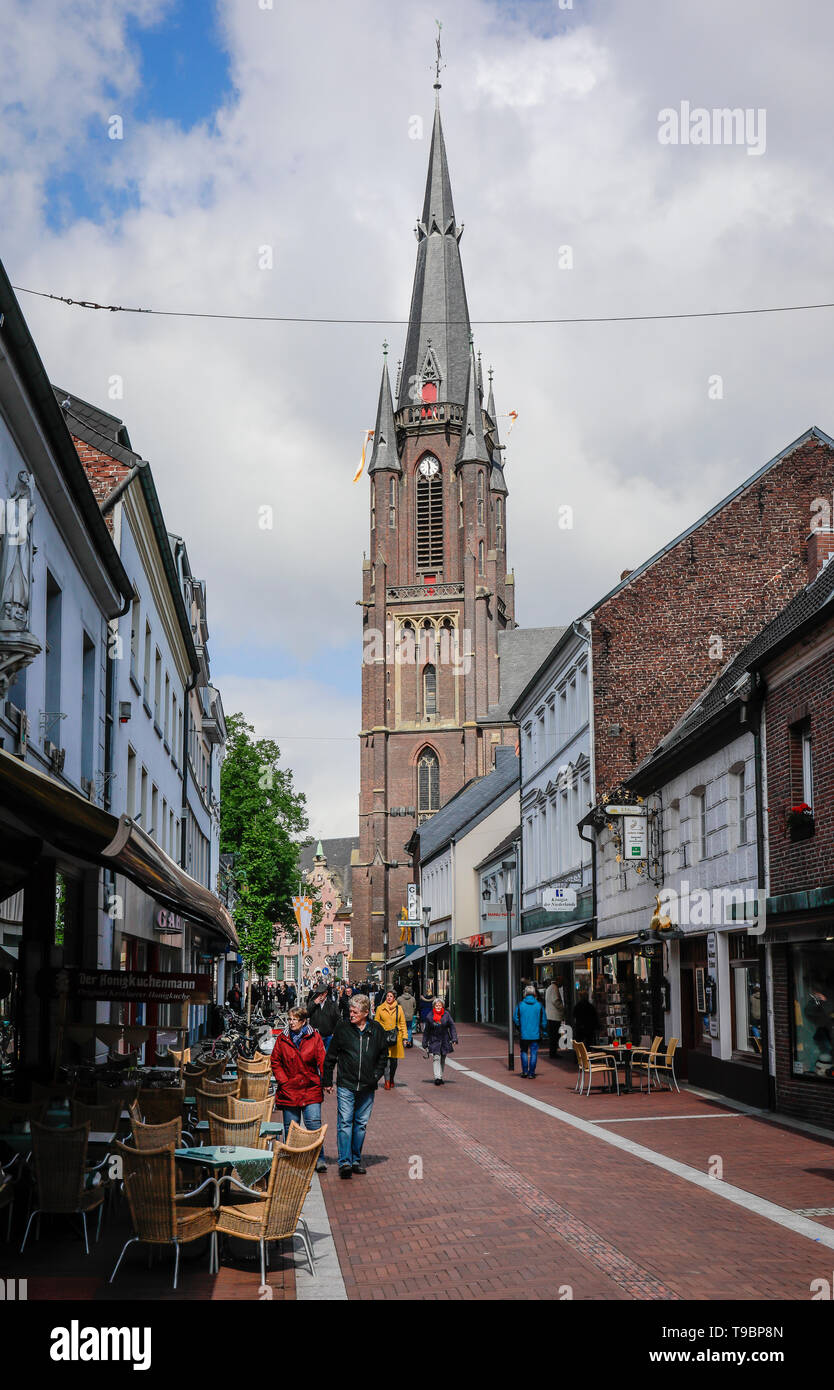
[(473, 447), (384, 453)]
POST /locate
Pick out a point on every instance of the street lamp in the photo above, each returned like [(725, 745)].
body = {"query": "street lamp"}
[(509, 884), (426, 920)]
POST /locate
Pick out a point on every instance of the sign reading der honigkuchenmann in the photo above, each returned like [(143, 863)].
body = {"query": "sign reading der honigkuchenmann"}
[(128, 986)]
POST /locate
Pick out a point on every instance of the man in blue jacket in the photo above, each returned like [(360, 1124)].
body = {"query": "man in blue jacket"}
[(531, 1021)]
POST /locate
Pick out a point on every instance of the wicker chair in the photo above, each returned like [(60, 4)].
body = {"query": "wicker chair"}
[(205, 1102), (254, 1086), (298, 1138), (258, 1065), (158, 1218), (160, 1106), (16, 1114), (49, 1094), (219, 1088), (104, 1118), (181, 1058), (156, 1136), (214, 1070), (123, 1060), (60, 1174), (247, 1109), (246, 1132), (123, 1094), (275, 1214)]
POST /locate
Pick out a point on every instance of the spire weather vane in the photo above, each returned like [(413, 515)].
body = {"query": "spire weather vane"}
[(438, 62)]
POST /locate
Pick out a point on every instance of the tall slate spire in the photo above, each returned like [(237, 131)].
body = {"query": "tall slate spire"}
[(385, 432), (473, 448), (438, 325), (496, 477)]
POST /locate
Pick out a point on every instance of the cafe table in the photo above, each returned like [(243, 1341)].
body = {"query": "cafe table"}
[(251, 1164), (620, 1053)]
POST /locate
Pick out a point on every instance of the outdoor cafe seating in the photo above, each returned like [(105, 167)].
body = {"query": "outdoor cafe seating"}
[(158, 1212), (276, 1213), (606, 1061), (64, 1183)]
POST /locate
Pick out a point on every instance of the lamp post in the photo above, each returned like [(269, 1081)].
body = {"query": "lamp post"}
[(508, 867), (426, 920)]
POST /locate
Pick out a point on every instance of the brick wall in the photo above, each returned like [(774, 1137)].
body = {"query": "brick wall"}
[(655, 642), (806, 696), (104, 473)]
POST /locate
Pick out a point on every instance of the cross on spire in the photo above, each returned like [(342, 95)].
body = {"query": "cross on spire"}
[(438, 62)]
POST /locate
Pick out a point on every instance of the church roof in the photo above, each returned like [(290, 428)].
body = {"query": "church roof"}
[(438, 326), (385, 433), (473, 448)]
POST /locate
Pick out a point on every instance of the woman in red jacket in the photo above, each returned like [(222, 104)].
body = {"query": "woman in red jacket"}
[(297, 1061)]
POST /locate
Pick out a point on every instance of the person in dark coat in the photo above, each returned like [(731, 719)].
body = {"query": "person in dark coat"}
[(323, 1013), (291, 996), (297, 1065), (358, 1052), (439, 1038), (426, 1003), (344, 1003), (234, 998), (585, 1020)]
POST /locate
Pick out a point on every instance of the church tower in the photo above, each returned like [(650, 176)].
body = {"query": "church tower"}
[(435, 587)]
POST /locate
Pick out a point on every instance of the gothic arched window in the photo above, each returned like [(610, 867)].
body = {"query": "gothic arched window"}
[(429, 690), (499, 523), (429, 514), (480, 557), (428, 784), (392, 502), (480, 497)]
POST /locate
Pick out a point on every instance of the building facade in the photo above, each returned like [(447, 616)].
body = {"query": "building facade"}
[(327, 870), (436, 590)]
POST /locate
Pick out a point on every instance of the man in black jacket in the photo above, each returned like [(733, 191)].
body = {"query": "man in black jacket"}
[(359, 1050), (322, 1013)]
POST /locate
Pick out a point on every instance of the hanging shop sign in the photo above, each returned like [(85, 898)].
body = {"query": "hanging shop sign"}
[(411, 902), (634, 838), (559, 899), (623, 810), (127, 986)]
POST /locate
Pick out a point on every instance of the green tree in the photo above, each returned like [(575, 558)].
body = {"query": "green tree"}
[(262, 817)]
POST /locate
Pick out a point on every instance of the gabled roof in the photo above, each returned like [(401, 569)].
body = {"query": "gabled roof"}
[(338, 855), (439, 315), (813, 605), (468, 806)]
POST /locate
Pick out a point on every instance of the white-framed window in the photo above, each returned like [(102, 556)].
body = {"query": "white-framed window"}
[(328, 934), (347, 933), (807, 769), (289, 968), (738, 806), (674, 840), (698, 823)]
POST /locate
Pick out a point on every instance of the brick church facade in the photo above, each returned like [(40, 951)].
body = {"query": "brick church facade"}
[(436, 591)]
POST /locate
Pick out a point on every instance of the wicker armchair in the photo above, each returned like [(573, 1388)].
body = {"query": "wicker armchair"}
[(219, 1088), (160, 1106), (158, 1218), (104, 1118), (123, 1094), (275, 1214), (51, 1094), (206, 1101), (254, 1086), (16, 1114), (245, 1132), (156, 1136), (298, 1138), (61, 1172), (214, 1070), (181, 1058), (258, 1065), (247, 1109)]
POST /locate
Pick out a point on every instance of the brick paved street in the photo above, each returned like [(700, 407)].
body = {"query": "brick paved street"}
[(516, 1203)]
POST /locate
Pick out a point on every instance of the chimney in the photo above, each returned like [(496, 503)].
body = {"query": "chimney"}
[(819, 549), (625, 575)]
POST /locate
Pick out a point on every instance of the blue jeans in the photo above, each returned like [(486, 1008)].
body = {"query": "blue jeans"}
[(410, 1026), (533, 1049), (312, 1118), (354, 1111)]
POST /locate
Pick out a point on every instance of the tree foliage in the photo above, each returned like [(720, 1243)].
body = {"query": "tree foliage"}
[(262, 821)]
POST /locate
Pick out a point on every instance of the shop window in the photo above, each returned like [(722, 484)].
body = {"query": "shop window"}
[(745, 996), (811, 970)]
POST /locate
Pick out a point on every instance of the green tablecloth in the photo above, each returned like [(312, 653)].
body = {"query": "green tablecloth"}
[(250, 1164)]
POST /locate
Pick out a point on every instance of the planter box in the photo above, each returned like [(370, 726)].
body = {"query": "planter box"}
[(801, 829)]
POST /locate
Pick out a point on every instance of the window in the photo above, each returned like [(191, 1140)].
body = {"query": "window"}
[(460, 500), (88, 706), (167, 707), (392, 503), (143, 800), (807, 768), (146, 679), (163, 826), (289, 968), (430, 521), (130, 808), (429, 691), (746, 996), (480, 498), (347, 934), (328, 934), (499, 523), (811, 972), (135, 629), (153, 828), (52, 691), (480, 557), (738, 806), (428, 784), (698, 823), (373, 505), (674, 837), (157, 687)]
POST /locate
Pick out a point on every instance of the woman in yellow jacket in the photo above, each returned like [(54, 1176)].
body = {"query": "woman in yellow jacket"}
[(390, 1016)]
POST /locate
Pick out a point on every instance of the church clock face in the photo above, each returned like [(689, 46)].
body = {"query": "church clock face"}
[(429, 467)]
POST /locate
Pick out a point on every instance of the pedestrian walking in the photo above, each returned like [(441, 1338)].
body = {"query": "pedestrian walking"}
[(391, 1018), (426, 1003), (297, 1065), (357, 1053), (585, 1019), (291, 995), (439, 1038), (234, 998), (530, 1019), (408, 1004), (344, 1003), (554, 1007), (322, 1012)]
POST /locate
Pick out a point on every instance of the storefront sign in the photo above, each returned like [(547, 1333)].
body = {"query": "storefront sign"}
[(437, 936), (623, 810), (128, 986), (559, 899), (712, 972), (169, 922), (411, 902), (481, 942), (634, 838)]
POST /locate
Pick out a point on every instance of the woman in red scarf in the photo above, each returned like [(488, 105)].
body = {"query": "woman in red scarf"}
[(439, 1038)]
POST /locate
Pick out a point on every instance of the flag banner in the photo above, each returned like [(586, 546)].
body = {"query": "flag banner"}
[(303, 909), (369, 434)]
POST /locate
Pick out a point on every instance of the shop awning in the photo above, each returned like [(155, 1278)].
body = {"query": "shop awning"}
[(533, 940), (63, 821), (590, 948), (419, 954)]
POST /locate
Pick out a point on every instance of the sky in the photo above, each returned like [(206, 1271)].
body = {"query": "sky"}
[(245, 126)]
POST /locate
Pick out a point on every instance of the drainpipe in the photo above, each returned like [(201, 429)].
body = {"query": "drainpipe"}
[(593, 843)]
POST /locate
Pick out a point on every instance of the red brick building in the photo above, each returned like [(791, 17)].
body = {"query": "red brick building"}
[(661, 636), (435, 588)]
